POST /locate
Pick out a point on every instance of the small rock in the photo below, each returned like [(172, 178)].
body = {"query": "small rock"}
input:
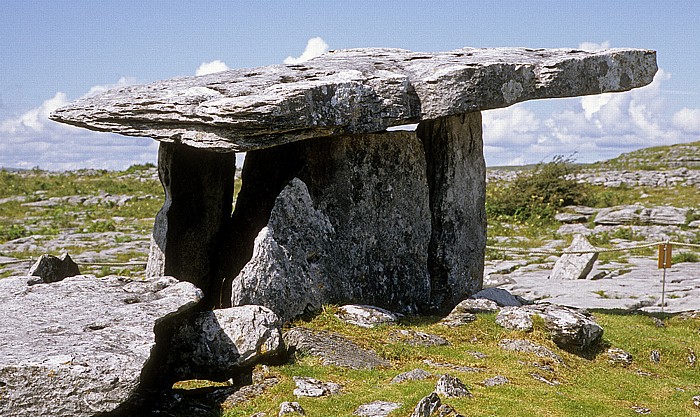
[(447, 411), (413, 375), (515, 318), (451, 387), (540, 378), (332, 348), (249, 392), (365, 316), (496, 380), (691, 357), (655, 356), (376, 409), (571, 218), (498, 295), (478, 355), (290, 408), (458, 368), (310, 387), (476, 306), (696, 401), (52, 269), (619, 356), (415, 338), (526, 346), (427, 406), (260, 414), (658, 322), (575, 266), (641, 410), (458, 319)]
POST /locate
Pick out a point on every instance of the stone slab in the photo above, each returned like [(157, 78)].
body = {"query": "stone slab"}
[(351, 91), (79, 347)]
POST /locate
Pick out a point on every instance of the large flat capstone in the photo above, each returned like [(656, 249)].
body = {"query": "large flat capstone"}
[(82, 346), (351, 91)]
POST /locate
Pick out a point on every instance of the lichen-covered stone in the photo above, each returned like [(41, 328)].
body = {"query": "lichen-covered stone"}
[(83, 346), (354, 226), (351, 91), (216, 344), (575, 265)]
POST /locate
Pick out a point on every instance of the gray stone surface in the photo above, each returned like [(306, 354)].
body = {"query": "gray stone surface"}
[(218, 344), (451, 387), (291, 407), (639, 215), (332, 349), (53, 269), (310, 387), (456, 175), (496, 381), (526, 346), (351, 91), (417, 338), (637, 288), (498, 295), (619, 357), (365, 316), (568, 328), (353, 227), (198, 200), (427, 406), (575, 265), (377, 409), (412, 375), (95, 348)]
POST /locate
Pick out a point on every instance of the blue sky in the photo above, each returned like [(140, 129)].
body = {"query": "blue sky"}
[(52, 52)]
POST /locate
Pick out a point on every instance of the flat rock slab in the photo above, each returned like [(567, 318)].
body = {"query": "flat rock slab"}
[(638, 289), (79, 347), (351, 91), (332, 349)]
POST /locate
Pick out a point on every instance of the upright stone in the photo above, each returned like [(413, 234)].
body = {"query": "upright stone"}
[(198, 188), (457, 181)]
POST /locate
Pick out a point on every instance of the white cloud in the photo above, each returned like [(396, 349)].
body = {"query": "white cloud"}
[(314, 47), (592, 47), (32, 140), (593, 127), (211, 67), (688, 120)]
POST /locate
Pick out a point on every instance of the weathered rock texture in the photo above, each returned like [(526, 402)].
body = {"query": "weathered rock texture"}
[(354, 225), (575, 265), (332, 349), (83, 346), (351, 91), (198, 201), (218, 344), (49, 268)]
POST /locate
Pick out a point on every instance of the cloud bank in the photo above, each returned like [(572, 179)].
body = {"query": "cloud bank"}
[(314, 47)]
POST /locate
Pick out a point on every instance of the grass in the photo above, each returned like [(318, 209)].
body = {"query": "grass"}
[(590, 385)]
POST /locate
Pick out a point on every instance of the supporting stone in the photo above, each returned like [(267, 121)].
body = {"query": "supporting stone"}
[(354, 226), (186, 236), (457, 181)]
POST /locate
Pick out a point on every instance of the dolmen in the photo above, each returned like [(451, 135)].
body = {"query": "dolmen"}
[(335, 206)]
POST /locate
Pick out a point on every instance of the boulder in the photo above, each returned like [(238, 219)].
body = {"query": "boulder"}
[(52, 269), (332, 349), (85, 346), (465, 312), (365, 316), (575, 266), (568, 328), (218, 344)]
